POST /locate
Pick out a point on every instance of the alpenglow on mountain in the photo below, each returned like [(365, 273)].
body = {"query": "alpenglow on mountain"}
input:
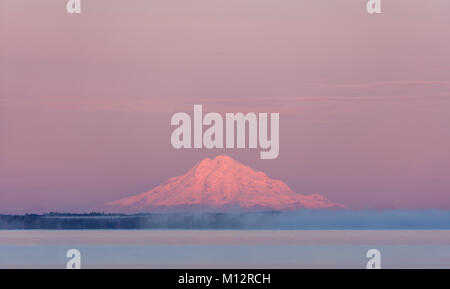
[(219, 184)]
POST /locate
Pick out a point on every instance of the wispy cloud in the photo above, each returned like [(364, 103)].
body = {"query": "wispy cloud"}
[(284, 104), (407, 84)]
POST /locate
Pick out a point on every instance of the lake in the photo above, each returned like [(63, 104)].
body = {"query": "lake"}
[(225, 248)]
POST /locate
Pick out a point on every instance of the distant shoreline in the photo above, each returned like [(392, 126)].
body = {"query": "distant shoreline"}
[(270, 220)]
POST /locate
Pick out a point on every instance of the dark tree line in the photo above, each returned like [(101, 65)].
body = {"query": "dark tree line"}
[(68, 221)]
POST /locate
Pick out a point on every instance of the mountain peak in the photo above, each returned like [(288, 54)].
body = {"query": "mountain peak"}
[(219, 184), (224, 158), (220, 160)]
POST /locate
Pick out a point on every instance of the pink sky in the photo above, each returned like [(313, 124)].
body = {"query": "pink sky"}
[(86, 100)]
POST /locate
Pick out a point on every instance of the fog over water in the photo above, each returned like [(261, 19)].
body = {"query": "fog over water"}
[(295, 220)]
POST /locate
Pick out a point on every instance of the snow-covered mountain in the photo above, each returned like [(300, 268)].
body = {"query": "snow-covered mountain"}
[(219, 184)]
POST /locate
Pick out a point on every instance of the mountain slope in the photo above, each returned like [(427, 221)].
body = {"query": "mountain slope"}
[(219, 184)]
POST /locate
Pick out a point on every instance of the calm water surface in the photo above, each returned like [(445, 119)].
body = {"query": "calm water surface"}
[(225, 249)]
